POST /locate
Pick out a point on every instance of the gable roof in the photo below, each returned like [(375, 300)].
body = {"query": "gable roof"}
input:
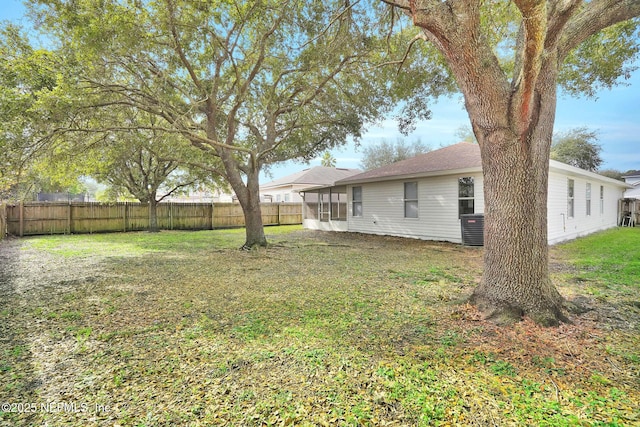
[(461, 156), (315, 176)]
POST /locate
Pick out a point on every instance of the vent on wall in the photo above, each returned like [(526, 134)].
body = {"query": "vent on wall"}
[(472, 229)]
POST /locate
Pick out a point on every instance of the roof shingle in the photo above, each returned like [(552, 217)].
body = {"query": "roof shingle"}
[(463, 155), (315, 176)]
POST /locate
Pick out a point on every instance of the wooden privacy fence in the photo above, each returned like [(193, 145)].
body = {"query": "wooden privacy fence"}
[(33, 218)]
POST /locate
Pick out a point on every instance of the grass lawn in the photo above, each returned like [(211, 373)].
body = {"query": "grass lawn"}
[(181, 328)]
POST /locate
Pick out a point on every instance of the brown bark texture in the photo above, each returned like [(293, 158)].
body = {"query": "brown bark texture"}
[(250, 202), (153, 215), (248, 193)]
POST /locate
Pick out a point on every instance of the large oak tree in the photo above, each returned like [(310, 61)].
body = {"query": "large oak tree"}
[(508, 59), (250, 83)]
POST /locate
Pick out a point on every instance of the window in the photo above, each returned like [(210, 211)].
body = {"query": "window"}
[(338, 206), (411, 199), (324, 206), (588, 198), (570, 200), (311, 205), (602, 200), (356, 201), (465, 196)]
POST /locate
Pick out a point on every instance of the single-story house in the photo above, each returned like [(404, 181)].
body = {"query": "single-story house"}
[(287, 189), (424, 197)]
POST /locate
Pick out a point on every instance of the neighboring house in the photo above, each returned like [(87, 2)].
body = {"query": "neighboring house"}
[(62, 197), (288, 189), (632, 177), (202, 196), (423, 197), (630, 205)]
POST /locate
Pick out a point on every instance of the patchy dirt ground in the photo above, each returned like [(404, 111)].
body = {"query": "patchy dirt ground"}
[(319, 329)]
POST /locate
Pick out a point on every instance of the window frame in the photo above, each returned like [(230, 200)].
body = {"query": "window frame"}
[(464, 197), (411, 203), (356, 202), (602, 200), (571, 186), (324, 206), (587, 197)]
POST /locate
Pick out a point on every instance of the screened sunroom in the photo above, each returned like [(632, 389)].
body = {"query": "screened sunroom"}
[(325, 208)]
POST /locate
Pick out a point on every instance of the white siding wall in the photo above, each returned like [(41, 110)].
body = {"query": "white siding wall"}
[(315, 224), (560, 226), (383, 208), (288, 193)]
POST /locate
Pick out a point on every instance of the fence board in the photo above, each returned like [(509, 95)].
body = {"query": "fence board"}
[(96, 217), (270, 214), (184, 216), (289, 214), (32, 218), (3, 221), (227, 215), (137, 217)]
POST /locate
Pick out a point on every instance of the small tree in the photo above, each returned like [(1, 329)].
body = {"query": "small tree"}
[(465, 133), (386, 152), (143, 161), (612, 173), (146, 177), (328, 160), (577, 147)]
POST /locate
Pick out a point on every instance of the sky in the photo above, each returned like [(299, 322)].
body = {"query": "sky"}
[(614, 114)]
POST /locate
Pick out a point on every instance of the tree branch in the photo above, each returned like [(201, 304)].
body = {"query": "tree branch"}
[(400, 4), (400, 63), (178, 46), (176, 188), (534, 29), (593, 17), (331, 22), (318, 89), (559, 15)]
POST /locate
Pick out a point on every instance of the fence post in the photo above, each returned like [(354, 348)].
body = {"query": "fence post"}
[(3, 221), (212, 217), (21, 218), (69, 217)]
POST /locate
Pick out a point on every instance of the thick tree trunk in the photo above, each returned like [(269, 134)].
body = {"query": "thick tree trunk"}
[(248, 194), (252, 213), (153, 215), (515, 165), (516, 277)]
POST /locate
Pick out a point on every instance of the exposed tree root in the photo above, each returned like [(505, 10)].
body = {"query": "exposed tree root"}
[(503, 313)]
